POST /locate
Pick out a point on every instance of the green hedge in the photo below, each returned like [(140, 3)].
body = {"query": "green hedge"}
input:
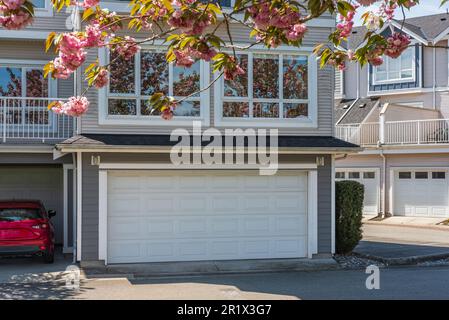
[(348, 215)]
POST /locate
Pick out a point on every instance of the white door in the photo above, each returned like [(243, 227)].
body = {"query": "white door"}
[(205, 215), (370, 180), (421, 192)]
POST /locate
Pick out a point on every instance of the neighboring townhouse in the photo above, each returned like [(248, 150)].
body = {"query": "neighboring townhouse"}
[(399, 113), (133, 205)]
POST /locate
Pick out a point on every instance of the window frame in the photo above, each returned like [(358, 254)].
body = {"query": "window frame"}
[(398, 80), (46, 11), (312, 100), (144, 120)]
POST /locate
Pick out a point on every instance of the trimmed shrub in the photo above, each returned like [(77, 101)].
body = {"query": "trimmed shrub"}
[(348, 215)]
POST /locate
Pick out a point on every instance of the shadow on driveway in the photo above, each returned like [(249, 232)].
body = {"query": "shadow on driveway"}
[(31, 278)]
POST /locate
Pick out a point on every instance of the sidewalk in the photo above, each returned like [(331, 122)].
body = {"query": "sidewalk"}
[(416, 222)]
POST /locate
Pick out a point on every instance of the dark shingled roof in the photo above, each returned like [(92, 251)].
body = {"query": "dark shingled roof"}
[(426, 27), (164, 140), (340, 108), (357, 114)]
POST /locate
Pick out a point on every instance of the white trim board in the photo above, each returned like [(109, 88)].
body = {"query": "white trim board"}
[(169, 166)]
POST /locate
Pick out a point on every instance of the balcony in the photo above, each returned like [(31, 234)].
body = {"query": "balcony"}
[(28, 120), (409, 132)]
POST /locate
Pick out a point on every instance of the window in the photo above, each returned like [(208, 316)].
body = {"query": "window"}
[(25, 82), (39, 4), (405, 175), (354, 175), (340, 175), (369, 175), (396, 70), (274, 87), (421, 175), (438, 175), (133, 81)]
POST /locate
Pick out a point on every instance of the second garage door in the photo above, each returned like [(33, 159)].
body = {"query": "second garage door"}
[(421, 192), (205, 215)]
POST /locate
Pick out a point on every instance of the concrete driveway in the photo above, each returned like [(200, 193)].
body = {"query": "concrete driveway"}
[(31, 278), (387, 241)]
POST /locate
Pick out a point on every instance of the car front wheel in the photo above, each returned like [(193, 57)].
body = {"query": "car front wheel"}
[(49, 256)]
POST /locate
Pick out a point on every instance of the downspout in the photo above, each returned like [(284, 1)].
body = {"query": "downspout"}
[(358, 81), (434, 78), (383, 212), (74, 214)]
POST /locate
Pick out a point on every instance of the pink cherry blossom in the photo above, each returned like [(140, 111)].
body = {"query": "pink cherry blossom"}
[(183, 59), (60, 69), (102, 79), (13, 4), (376, 61), (232, 70), (366, 3), (94, 36), (296, 32), (14, 20), (397, 43), (167, 113), (127, 48), (74, 107)]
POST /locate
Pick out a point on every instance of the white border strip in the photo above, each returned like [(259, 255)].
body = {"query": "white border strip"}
[(79, 209), (149, 166)]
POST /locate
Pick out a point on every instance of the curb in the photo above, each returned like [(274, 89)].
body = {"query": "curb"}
[(413, 260), (429, 227)]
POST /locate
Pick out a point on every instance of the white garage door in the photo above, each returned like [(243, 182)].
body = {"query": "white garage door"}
[(421, 192), (370, 180), (205, 215)]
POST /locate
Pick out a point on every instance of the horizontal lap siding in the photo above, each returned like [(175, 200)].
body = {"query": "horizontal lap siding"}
[(325, 207), (60, 21), (240, 35), (89, 246)]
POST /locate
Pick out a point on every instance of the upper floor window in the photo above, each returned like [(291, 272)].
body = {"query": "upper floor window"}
[(134, 81), (41, 4), (401, 69), (20, 81), (275, 87)]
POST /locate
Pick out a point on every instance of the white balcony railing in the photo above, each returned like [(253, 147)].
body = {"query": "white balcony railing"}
[(365, 134), (28, 119), (409, 132)]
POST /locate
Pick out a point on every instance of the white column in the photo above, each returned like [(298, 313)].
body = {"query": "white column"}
[(102, 215)]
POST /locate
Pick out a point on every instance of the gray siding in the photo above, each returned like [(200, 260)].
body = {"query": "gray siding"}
[(89, 122), (89, 217), (91, 191), (325, 207)]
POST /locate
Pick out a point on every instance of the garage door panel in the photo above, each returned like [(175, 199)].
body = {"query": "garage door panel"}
[(215, 215)]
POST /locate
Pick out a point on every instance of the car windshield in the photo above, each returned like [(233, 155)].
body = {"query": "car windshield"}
[(19, 214)]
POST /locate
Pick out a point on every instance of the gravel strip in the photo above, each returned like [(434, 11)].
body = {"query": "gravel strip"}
[(355, 262)]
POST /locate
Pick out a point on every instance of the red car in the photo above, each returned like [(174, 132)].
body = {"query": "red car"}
[(26, 229)]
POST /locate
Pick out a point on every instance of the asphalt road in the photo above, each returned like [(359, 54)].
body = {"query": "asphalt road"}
[(395, 283)]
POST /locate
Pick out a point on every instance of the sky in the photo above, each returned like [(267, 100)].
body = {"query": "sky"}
[(425, 8)]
